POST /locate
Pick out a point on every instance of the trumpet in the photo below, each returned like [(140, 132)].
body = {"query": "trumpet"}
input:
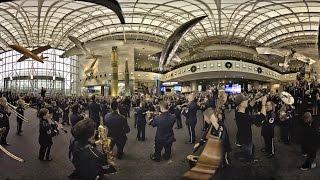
[(12, 108)]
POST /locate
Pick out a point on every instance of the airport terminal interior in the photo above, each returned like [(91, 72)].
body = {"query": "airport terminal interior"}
[(159, 90)]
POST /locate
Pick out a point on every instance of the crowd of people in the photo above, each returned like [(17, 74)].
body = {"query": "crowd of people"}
[(86, 114)]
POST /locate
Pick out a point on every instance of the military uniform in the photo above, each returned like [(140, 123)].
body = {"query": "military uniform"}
[(191, 119), (285, 125), (94, 112), (74, 118), (56, 113), (267, 132), (87, 160), (164, 135), (117, 129), (20, 110), (46, 132), (141, 123), (4, 122)]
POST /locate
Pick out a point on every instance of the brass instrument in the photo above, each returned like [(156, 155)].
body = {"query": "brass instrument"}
[(6, 151), (59, 125), (13, 108), (11, 155), (105, 143)]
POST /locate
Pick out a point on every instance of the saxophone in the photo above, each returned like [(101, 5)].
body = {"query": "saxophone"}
[(105, 143)]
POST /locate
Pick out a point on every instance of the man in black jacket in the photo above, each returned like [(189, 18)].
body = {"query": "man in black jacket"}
[(164, 135), (4, 120), (310, 141), (94, 111), (244, 123), (140, 113), (117, 128), (267, 130), (190, 112)]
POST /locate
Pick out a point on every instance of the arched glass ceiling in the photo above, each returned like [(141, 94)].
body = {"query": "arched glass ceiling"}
[(263, 22)]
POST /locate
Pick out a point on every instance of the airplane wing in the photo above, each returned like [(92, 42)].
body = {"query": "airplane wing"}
[(277, 52), (79, 44), (303, 58), (35, 51), (26, 52)]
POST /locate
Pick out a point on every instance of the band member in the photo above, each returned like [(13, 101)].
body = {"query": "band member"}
[(66, 110), (43, 93), (310, 141), (244, 122), (20, 110), (47, 130), (164, 135), (190, 112), (94, 111), (75, 116), (87, 160), (117, 128), (286, 118), (267, 130), (141, 121), (4, 120), (177, 113), (105, 108), (56, 112)]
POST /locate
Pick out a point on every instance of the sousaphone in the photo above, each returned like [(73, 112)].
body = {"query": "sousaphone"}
[(287, 98)]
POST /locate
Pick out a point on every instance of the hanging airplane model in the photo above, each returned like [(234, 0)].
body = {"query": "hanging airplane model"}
[(112, 5), (30, 54), (288, 55), (174, 40)]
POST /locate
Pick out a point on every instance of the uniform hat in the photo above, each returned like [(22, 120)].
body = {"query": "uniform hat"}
[(240, 98)]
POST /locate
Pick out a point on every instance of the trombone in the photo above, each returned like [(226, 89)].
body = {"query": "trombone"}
[(12, 108)]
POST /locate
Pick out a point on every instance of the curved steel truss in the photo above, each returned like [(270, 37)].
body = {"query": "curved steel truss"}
[(33, 23)]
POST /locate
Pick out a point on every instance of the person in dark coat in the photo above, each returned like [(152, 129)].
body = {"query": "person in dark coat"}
[(66, 110), (47, 130), (89, 163), (177, 113), (190, 112), (20, 110), (75, 116), (4, 120), (140, 115), (94, 111), (267, 130), (310, 139), (244, 123), (43, 93), (56, 112), (164, 135), (117, 128), (105, 108), (286, 120)]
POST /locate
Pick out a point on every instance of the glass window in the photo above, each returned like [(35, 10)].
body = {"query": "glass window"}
[(42, 72)]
